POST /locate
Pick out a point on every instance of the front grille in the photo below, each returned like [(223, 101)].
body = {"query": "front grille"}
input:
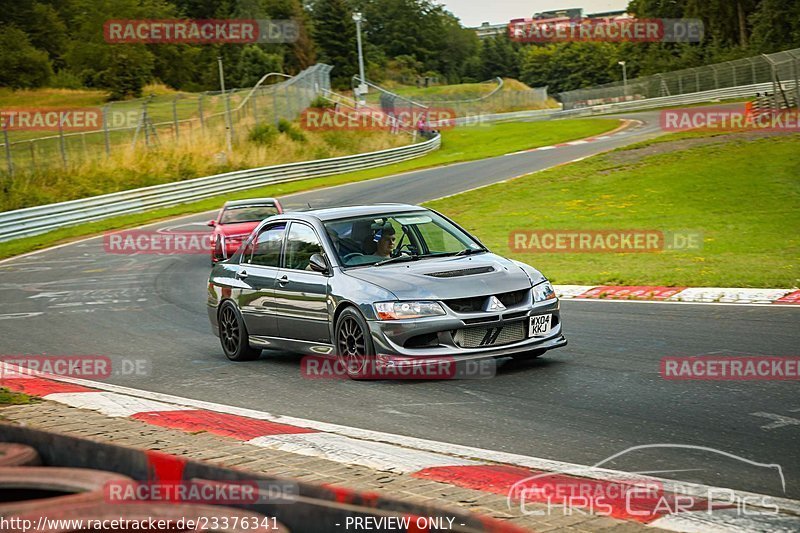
[(462, 272), (478, 303), (510, 299), (467, 305), (508, 333)]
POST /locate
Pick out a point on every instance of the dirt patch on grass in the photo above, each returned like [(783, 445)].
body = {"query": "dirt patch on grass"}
[(634, 155)]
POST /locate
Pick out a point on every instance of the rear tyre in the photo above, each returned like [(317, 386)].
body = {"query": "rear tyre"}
[(233, 335), (527, 356), (354, 348)]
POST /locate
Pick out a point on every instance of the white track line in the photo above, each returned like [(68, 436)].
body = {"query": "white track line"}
[(342, 449), (112, 404)]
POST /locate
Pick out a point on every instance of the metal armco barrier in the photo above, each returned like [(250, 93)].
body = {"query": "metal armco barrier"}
[(307, 507), (40, 219)]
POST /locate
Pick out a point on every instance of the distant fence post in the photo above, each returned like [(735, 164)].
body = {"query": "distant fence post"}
[(61, 145), (106, 138), (254, 97), (275, 103), (200, 111), (32, 146), (175, 116), (8, 149)]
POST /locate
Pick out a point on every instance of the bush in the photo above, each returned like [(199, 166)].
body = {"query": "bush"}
[(21, 65), (321, 103), (286, 127), (65, 79), (263, 134)]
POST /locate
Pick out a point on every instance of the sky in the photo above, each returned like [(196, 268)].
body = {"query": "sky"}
[(473, 12)]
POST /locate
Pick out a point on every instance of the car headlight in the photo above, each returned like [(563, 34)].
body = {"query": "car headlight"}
[(403, 310), (543, 291)]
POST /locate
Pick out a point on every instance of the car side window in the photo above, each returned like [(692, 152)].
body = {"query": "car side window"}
[(266, 249), (300, 246)]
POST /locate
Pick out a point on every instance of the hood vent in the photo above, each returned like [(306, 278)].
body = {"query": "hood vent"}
[(462, 272)]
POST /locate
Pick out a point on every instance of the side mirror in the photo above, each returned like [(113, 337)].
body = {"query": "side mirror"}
[(211, 223), (318, 263)]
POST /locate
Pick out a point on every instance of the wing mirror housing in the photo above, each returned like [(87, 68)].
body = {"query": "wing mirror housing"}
[(318, 264), (211, 223)]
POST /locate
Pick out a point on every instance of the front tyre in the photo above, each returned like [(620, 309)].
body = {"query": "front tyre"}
[(233, 335), (354, 348)]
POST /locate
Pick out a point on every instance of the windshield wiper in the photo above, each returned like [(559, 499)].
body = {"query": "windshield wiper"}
[(470, 251), (397, 259)]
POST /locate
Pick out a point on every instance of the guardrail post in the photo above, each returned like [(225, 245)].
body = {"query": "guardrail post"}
[(8, 149)]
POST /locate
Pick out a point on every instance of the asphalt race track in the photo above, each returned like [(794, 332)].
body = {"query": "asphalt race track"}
[(583, 403)]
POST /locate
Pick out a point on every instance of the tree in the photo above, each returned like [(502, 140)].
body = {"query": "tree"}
[(776, 26), (335, 34), (254, 63), (21, 65), (129, 70), (500, 57)]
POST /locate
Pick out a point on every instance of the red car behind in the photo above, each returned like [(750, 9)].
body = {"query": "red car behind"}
[(236, 220)]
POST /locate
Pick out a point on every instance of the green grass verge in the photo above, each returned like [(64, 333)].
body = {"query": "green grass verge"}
[(15, 398), (741, 192), (460, 144)]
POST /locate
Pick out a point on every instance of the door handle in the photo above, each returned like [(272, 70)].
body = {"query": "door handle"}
[(284, 280), (241, 274)]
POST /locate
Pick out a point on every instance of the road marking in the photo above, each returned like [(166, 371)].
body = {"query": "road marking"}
[(111, 404), (779, 421), (11, 316), (342, 449)]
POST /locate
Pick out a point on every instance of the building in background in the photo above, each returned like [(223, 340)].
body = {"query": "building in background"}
[(487, 30)]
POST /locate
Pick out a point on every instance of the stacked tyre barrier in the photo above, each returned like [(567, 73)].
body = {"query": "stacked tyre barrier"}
[(51, 483)]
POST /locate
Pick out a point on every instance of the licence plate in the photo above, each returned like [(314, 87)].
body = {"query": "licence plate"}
[(540, 325)]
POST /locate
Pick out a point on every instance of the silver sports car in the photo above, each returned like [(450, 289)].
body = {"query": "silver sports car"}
[(386, 283)]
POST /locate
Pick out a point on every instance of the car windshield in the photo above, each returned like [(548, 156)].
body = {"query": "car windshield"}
[(247, 213), (381, 239)]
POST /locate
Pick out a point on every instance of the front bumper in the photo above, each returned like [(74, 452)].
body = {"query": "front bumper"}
[(401, 338)]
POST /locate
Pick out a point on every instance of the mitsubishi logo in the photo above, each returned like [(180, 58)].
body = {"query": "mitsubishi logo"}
[(494, 304)]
